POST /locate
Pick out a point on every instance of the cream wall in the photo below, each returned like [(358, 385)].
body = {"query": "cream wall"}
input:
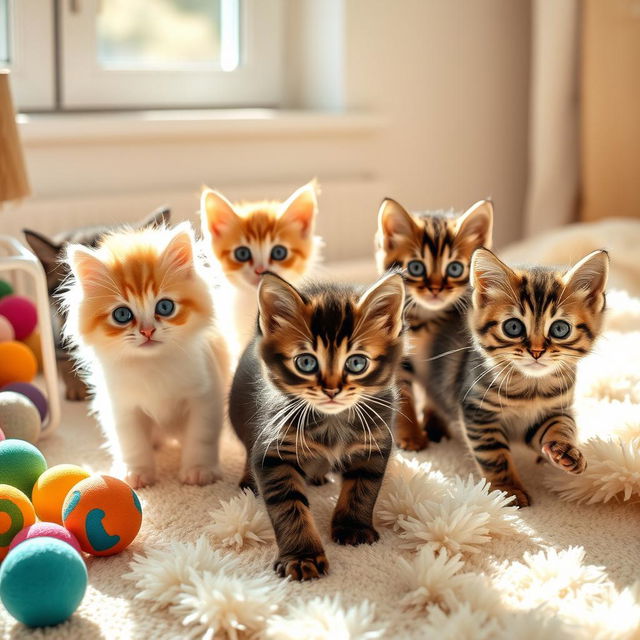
[(436, 92)]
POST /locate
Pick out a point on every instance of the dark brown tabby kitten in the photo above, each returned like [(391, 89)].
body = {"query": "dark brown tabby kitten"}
[(434, 249), (51, 253), (315, 392), (508, 370)]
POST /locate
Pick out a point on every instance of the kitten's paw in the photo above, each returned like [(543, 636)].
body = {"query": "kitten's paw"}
[(140, 478), (76, 390), (354, 535), (565, 456), (199, 475), (414, 442), (302, 568), (522, 498)]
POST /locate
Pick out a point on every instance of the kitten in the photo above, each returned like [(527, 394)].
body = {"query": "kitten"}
[(51, 252), (315, 392), (435, 252), (250, 238), (508, 370), (140, 313)]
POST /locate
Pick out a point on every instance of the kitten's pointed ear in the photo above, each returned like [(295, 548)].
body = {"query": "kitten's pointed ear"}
[(589, 279), (490, 277), (279, 303), (179, 252), (301, 207), (48, 252), (382, 305), (394, 223), (216, 213), (160, 217), (86, 267), (475, 225)]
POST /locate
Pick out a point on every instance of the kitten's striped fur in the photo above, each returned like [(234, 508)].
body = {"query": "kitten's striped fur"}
[(518, 389), (298, 426), (435, 298)]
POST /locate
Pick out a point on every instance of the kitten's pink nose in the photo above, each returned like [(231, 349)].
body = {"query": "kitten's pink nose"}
[(332, 393), (259, 270), (536, 353), (147, 332)]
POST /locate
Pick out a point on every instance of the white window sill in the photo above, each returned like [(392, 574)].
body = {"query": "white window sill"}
[(113, 127)]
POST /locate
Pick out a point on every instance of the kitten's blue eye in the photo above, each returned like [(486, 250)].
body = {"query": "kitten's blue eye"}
[(356, 364), (559, 329), (122, 315), (416, 268), (242, 254), (165, 307), (455, 269), (306, 363), (513, 327), (279, 252)]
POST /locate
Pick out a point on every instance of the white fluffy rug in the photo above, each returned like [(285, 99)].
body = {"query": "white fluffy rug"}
[(453, 561)]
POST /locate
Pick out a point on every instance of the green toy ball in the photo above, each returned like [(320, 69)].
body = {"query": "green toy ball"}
[(19, 417), (5, 289), (42, 582), (21, 464)]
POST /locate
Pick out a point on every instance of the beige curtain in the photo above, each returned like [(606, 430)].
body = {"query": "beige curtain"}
[(552, 193)]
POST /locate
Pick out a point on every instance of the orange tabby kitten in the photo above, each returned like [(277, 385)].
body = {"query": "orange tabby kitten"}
[(249, 238)]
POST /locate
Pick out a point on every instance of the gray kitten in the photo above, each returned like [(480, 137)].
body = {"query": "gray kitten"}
[(50, 252)]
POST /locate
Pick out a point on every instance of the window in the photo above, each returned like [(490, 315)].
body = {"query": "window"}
[(147, 53)]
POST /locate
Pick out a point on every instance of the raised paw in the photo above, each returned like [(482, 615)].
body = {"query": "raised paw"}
[(199, 475), (416, 441), (140, 478), (522, 498), (354, 535), (307, 567), (565, 456)]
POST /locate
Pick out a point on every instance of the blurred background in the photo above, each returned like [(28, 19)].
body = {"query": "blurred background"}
[(125, 105)]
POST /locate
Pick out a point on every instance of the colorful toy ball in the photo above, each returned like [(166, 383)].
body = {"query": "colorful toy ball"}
[(33, 342), (33, 393), (104, 513), (42, 582), (6, 330), (21, 464), (45, 530), (16, 512), (19, 417), (5, 289), (52, 488), (21, 313), (17, 363)]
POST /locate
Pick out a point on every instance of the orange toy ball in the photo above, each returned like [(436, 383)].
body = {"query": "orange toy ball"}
[(16, 513), (17, 363), (33, 342), (51, 489), (103, 513)]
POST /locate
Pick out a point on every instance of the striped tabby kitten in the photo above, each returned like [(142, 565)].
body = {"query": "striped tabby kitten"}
[(315, 392), (435, 252), (512, 378)]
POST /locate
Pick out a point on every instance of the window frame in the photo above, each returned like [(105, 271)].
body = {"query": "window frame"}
[(257, 81)]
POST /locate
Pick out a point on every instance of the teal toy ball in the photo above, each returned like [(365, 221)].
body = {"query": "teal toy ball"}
[(21, 464), (42, 582), (5, 289)]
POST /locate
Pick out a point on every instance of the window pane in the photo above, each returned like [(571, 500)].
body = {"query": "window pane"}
[(5, 46), (168, 34)]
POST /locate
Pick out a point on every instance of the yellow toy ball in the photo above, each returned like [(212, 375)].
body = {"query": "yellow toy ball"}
[(51, 489), (16, 513), (103, 513), (33, 342), (17, 363)]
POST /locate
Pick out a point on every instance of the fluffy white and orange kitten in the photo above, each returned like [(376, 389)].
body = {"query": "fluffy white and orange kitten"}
[(246, 239), (140, 314)]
